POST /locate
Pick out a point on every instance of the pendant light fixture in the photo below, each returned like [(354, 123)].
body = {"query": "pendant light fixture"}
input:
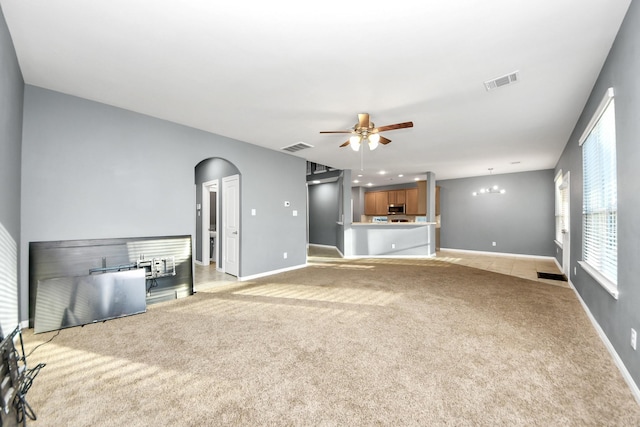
[(490, 190)]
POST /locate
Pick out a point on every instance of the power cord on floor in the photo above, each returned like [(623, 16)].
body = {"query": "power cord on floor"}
[(40, 345)]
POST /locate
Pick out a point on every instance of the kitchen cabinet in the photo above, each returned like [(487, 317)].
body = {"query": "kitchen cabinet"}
[(369, 203), (411, 203), (397, 197), (376, 202)]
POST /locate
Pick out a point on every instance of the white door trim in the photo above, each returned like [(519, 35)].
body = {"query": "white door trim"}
[(207, 187), (230, 261), (566, 234)]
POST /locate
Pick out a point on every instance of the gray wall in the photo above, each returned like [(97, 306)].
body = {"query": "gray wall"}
[(93, 171), (521, 221), (11, 99), (621, 71), (323, 213)]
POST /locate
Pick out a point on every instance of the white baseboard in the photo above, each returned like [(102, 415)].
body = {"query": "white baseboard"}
[(605, 340), (270, 273), (498, 254), (390, 256), (322, 246), (326, 247), (558, 265)]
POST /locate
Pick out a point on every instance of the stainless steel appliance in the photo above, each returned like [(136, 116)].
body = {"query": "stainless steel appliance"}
[(396, 209)]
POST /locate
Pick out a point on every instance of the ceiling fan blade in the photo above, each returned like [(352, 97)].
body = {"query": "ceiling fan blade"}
[(384, 140), (396, 126), (363, 120), (336, 131), (345, 144)]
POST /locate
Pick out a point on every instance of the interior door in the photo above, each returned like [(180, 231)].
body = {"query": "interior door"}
[(566, 222), (231, 224)]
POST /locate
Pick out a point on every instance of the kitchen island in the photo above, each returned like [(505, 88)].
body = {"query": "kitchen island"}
[(395, 239)]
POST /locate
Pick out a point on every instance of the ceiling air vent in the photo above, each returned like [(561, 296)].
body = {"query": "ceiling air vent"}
[(502, 81), (297, 147)]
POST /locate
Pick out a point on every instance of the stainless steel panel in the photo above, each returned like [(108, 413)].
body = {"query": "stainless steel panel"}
[(48, 260), (72, 301)]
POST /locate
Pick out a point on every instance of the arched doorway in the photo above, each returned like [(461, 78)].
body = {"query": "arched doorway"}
[(216, 208)]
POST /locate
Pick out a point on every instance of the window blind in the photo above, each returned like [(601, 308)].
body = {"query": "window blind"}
[(8, 282), (600, 195)]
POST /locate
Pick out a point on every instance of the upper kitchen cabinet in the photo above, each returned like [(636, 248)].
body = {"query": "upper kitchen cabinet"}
[(397, 197), (376, 203), (411, 205)]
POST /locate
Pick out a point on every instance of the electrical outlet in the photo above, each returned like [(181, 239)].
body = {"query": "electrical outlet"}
[(493, 243), (575, 271), (284, 255), (634, 338), (393, 246)]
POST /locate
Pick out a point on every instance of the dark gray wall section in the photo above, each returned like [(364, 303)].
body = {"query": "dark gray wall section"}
[(11, 102), (323, 213), (357, 200), (209, 170), (93, 171), (521, 221), (621, 71), (11, 98)]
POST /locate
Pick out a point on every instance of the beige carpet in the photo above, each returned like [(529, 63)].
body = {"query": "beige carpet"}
[(367, 342)]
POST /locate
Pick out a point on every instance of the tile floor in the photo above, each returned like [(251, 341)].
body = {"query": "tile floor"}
[(206, 276), (525, 267)]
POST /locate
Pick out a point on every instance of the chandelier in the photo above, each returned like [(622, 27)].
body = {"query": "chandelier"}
[(490, 190)]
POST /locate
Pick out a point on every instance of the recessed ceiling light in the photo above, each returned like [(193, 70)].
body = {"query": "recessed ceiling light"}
[(370, 184), (316, 182), (359, 175), (355, 181), (416, 179), (382, 172), (400, 176)]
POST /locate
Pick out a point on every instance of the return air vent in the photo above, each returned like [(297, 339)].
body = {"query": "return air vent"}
[(297, 147), (502, 81)]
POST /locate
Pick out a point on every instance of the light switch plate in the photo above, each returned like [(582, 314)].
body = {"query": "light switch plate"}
[(253, 212), (295, 213)]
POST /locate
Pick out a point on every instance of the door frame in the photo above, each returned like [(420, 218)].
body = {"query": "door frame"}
[(207, 188), (566, 233), (222, 231)]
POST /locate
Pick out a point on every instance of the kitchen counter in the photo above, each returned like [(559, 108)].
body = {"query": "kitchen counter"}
[(391, 239), (394, 224)]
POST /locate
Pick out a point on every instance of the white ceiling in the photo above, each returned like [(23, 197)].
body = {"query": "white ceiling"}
[(276, 73)]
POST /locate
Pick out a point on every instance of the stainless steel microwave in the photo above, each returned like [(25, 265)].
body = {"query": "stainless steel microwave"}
[(396, 210)]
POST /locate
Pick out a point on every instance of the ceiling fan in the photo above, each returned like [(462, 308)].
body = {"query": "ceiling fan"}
[(365, 130)]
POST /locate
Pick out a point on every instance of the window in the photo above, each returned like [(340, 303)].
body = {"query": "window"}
[(600, 197)]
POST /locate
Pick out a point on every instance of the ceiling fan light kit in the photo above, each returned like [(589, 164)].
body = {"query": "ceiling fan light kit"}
[(365, 130)]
